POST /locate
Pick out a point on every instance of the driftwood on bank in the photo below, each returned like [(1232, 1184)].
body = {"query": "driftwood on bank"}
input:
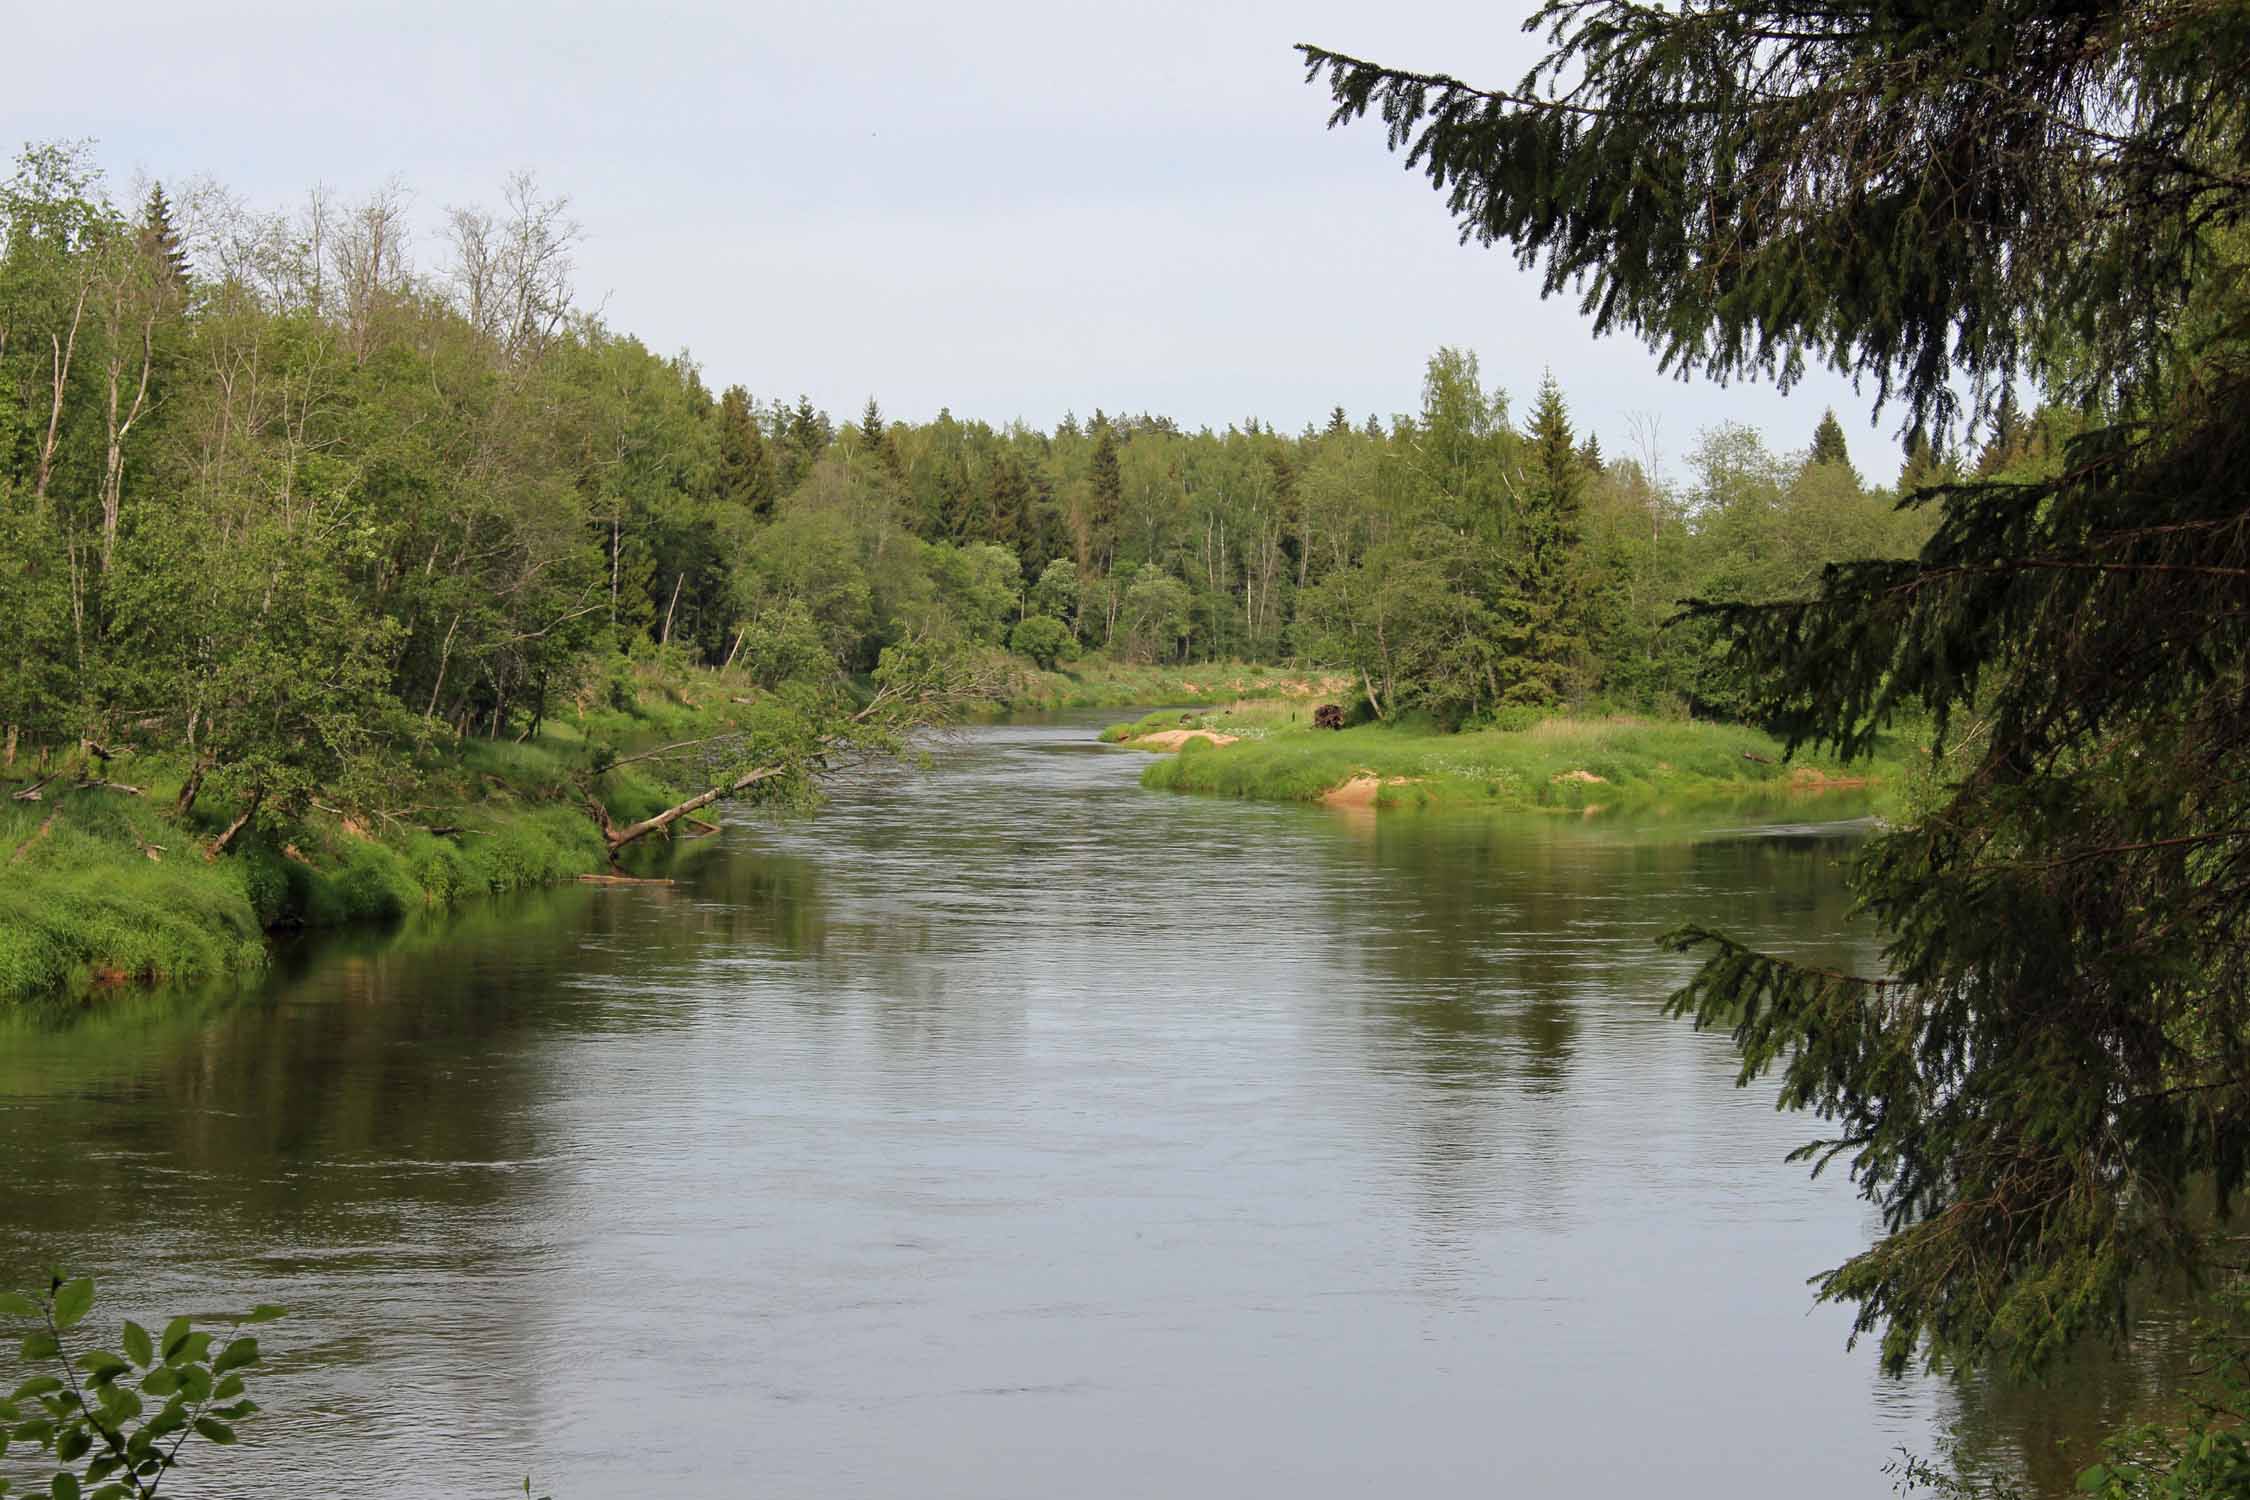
[(618, 838), (621, 880)]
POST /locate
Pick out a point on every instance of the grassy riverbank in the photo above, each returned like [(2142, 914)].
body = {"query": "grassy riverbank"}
[(104, 887), (1269, 752)]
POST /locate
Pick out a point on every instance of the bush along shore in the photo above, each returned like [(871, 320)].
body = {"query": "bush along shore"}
[(1272, 752), (112, 872)]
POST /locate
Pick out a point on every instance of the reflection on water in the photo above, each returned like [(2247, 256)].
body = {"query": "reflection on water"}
[(1007, 1131)]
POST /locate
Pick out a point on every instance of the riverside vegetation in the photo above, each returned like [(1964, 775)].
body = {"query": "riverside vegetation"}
[(1521, 761), (335, 588)]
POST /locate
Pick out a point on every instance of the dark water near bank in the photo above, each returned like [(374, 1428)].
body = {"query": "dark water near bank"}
[(1008, 1131)]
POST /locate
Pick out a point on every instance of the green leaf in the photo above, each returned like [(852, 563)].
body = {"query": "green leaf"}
[(235, 1356), (17, 1305), (195, 1383), (193, 1348), (41, 1345), (228, 1388), (175, 1334), (266, 1312), (73, 1445), (2093, 1480), (139, 1347), (65, 1487), (102, 1365), (37, 1385), (73, 1300), (110, 1492), (161, 1381), (217, 1431)]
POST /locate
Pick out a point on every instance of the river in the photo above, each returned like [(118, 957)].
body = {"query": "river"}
[(1005, 1130)]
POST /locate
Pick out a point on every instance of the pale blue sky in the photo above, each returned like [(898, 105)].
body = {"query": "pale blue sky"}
[(1008, 208)]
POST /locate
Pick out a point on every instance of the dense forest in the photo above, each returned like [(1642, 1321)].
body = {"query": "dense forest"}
[(294, 489)]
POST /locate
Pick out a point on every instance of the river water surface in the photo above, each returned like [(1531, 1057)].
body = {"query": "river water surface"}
[(1002, 1131)]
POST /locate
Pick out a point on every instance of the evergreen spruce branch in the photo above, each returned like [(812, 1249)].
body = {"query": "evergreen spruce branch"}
[(1742, 194)]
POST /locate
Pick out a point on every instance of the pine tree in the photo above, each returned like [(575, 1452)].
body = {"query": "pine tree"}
[(1828, 445), (1924, 465), (875, 437), (1009, 503), (2047, 1094), (809, 435), (1540, 607), (1338, 422), (160, 242), (746, 468), (1590, 455), (1106, 494), (2004, 445)]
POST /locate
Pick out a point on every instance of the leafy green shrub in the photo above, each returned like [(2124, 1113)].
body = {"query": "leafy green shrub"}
[(90, 1417), (1045, 639)]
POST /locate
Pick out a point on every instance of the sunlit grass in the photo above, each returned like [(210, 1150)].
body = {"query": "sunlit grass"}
[(1560, 763)]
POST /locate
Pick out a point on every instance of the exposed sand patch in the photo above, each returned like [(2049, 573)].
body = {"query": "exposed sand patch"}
[(1173, 739), (1587, 777), (1809, 779), (1361, 791)]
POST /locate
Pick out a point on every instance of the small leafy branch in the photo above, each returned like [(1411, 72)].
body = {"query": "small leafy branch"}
[(91, 1415)]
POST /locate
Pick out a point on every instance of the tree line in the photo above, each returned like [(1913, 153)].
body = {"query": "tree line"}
[(273, 493)]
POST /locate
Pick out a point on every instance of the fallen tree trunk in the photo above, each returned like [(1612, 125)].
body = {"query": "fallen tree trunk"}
[(219, 845), (31, 792), (620, 880), (633, 832)]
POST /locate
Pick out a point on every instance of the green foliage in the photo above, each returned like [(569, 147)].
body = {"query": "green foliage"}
[(1045, 639), (112, 1423)]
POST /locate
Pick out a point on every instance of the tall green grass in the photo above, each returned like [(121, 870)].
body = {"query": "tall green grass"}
[(1638, 762)]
